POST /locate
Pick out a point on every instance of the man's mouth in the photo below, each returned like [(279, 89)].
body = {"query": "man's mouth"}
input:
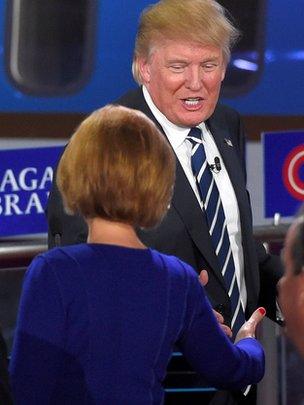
[(192, 101)]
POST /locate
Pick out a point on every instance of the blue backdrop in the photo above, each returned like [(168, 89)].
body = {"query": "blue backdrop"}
[(278, 90)]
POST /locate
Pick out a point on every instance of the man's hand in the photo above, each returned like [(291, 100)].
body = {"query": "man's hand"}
[(203, 278)]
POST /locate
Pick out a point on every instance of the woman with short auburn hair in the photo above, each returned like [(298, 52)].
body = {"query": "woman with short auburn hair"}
[(98, 321), (131, 168)]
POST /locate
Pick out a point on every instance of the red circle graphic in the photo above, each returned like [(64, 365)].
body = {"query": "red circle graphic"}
[(291, 172)]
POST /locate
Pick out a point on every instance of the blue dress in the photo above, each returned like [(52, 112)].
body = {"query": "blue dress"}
[(97, 325)]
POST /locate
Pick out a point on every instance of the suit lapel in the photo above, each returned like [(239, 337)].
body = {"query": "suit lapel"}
[(185, 203), (229, 154)]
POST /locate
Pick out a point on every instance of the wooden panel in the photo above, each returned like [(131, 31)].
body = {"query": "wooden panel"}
[(30, 125), (254, 125)]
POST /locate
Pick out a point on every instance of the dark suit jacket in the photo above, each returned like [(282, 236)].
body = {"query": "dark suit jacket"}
[(5, 396), (184, 232)]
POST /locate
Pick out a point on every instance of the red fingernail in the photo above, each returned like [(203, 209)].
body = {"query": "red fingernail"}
[(262, 310)]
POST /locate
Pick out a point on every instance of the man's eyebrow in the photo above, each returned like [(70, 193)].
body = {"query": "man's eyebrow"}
[(185, 61), (211, 58), (179, 60)]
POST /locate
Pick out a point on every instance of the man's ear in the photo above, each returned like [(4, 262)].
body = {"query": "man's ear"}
[(301, 286), (224, 72), (144, 69)]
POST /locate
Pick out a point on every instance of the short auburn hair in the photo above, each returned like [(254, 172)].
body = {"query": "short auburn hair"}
[(117, 166)]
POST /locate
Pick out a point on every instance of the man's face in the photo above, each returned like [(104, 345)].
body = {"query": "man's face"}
[(291, 296), (184, 80)]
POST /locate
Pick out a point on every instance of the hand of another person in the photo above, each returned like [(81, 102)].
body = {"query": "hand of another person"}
[(249, 327), (203, 278)]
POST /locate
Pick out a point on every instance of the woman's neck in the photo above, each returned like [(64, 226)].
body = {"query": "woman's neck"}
[(113, 233)]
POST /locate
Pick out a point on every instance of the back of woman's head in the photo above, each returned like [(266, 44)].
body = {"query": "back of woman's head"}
[(117, 166)]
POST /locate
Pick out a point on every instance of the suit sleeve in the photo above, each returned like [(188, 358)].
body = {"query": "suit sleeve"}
[(4, 380), (63, 229), (271, 270), (221, 363)]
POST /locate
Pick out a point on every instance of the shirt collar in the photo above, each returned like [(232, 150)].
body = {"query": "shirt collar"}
[(174, 133)]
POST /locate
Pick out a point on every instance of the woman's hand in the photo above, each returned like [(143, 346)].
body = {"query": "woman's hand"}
[(249, 327)]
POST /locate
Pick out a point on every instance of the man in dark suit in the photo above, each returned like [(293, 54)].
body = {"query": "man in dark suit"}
[(5, 396), (181, 53), (292, 283)]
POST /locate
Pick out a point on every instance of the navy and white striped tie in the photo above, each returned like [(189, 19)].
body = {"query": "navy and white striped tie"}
[(212, 205)]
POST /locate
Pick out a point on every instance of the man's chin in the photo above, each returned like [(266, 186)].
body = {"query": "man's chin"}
[(192, 119), (191, 124)]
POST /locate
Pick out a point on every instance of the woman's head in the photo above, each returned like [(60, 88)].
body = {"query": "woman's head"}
[(117, 166)]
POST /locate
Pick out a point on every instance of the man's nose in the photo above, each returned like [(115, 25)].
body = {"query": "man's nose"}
[(194, 79)]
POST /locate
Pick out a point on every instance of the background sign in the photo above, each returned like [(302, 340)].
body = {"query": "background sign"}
[(25, 181), (283, 172)]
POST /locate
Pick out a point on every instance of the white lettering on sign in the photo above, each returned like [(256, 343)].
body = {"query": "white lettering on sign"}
[(34, 204), (24, 192), (9, 180), (10, 204), (47, 177), (27, 179)]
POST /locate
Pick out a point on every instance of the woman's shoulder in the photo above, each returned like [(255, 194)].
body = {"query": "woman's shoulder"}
[(58, 258), (174, 265), (63, 254), (182, 278)]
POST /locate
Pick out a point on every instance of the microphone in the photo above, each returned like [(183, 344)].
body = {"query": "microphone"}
[(56, 231), (57, 239), (216, 166)]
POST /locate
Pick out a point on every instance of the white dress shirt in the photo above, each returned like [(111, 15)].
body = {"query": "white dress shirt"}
[(182, 148)]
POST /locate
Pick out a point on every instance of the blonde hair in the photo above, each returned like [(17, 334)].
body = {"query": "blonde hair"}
[(117, 166), (202, 21)]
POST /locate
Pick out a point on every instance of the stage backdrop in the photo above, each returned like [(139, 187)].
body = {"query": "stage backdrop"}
[(283, 172), (25, 180)]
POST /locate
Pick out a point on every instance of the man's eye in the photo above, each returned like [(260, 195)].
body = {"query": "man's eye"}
[(177, 68), (210, 66)]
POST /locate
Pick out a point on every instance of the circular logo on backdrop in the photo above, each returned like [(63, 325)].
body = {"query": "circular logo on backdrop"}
[(293, 172)]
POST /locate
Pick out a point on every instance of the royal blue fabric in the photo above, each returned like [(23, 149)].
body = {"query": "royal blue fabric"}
[(97, 325)]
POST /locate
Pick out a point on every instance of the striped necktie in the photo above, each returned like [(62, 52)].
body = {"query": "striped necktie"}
[(213, 208)]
